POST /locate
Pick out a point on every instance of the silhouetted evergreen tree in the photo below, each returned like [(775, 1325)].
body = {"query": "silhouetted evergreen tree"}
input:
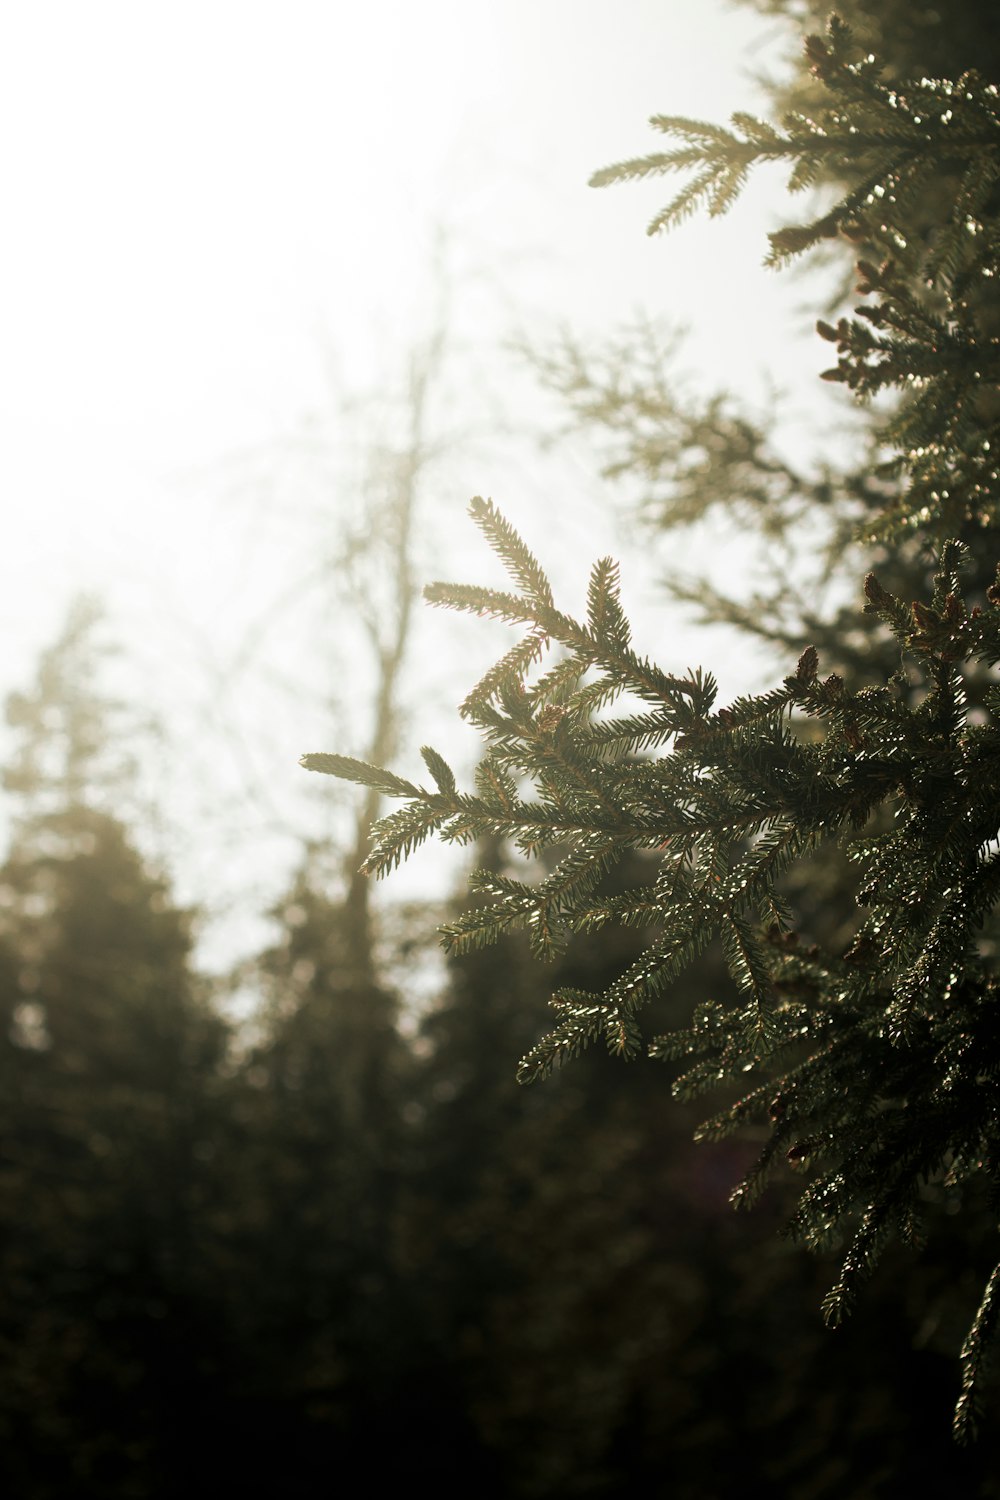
[(108, 1055), (322, 1158)]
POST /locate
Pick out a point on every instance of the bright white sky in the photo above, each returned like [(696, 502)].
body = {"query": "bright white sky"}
[(207, 204)]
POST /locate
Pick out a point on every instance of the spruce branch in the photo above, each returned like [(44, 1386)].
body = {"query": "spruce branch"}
[(975, 1352), (876, 1058), (884, 137)]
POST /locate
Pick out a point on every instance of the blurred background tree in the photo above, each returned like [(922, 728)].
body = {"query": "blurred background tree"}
[(110, 1056)]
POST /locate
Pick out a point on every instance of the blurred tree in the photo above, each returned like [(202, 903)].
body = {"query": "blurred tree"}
[(339, 517), (109, 1054), (328, 1084), (316, 1222)]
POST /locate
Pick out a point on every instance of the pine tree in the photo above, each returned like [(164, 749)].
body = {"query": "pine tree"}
[(318, 1224), (108, 1064), (874, 1067)]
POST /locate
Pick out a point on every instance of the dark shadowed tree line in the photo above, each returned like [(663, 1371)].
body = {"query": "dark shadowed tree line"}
[(260, 1267)]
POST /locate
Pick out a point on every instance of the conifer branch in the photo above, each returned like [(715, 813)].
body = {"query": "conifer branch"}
[(875, 1068)]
